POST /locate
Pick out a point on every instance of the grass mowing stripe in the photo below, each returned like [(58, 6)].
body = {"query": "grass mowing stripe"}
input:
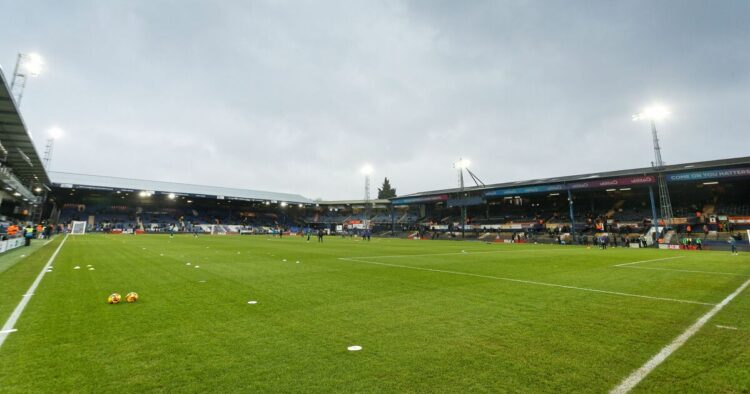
[(530, 282), (8, 326), (638, 375)]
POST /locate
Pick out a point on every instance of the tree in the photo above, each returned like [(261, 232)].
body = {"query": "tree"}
[(386, 191)]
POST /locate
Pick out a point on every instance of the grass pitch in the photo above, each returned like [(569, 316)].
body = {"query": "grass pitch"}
[(431, 316)]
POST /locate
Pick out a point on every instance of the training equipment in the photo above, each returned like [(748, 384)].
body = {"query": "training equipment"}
[(131, 297), (114, 298), (354, 348), (78, 228)]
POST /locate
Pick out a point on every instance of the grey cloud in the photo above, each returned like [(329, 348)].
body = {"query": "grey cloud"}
[(296, 96)]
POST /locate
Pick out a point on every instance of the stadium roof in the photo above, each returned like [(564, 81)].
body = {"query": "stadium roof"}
[(97, 182), (15, 138), (701, 165)]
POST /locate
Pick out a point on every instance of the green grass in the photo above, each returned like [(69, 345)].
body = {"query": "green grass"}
[(428, 328)]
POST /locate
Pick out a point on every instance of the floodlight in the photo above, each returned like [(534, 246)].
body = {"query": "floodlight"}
[(283, 204), (367, 169), (55, 133), (32, 64), (38, 189), (654, 112), (463, 163), (171, 196)]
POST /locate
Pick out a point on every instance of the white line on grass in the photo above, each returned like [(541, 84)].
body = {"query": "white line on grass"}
[(8, 326), (691, 271), (468, 252), (639, 374), (529, 282), (726, 327), (649, 261)]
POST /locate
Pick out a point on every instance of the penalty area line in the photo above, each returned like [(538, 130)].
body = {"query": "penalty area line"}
[(639, 374), (8, 326), (528, 282)]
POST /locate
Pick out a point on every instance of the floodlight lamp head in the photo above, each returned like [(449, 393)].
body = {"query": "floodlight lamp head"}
[(462, 164), (55, 133), (32, 64), (654, 112), (367, 169)]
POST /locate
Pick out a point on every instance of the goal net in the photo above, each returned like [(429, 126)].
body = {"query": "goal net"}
[(78, 228)]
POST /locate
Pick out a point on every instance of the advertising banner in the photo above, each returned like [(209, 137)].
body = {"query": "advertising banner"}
[(709, 174), (616, 182), (514, 191), (419, 200), (591, 184)]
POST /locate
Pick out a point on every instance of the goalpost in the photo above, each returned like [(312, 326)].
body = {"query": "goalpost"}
[(78, 228)]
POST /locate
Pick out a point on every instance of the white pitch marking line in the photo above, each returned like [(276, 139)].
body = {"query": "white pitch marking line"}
[(691, 271), (726, 327), (531, 282), (649, 261), (25, 300), (454, 253), (8, 331), (639, 374)]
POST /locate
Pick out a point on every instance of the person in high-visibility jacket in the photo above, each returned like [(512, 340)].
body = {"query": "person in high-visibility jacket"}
[(28, 234)]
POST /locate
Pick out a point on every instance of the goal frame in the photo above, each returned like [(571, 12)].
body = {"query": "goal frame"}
[(81, 225)]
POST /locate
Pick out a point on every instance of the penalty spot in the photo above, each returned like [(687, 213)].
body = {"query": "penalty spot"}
[(354, 348)]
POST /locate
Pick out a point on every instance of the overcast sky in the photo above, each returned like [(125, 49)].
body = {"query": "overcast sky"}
[(295, 96)]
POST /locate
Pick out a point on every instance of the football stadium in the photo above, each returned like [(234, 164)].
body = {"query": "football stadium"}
[(634, 279)]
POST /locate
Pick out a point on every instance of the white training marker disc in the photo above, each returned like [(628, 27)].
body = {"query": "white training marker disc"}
[(197, 266), (297, 262), (187, 263), (252, 302), (354, 348), (91, 269), (76, 267), (89, 265), (284, 260)]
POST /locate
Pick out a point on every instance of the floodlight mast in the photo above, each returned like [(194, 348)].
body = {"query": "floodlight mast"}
[(652, 114), (367, 171), (27, 65), (460, 165), (54, 134)]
